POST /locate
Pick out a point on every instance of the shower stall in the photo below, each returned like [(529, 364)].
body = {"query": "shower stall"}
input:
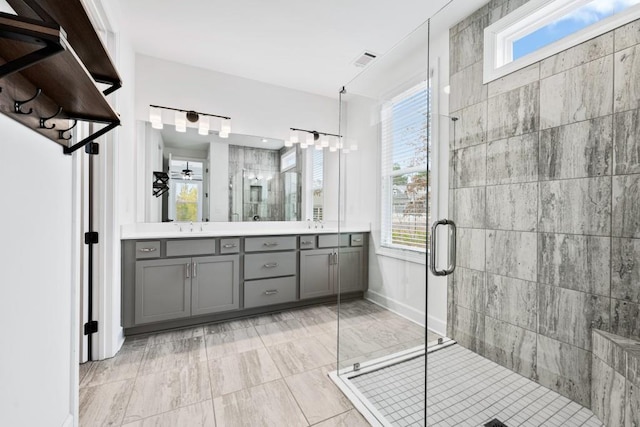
[(503, 247)]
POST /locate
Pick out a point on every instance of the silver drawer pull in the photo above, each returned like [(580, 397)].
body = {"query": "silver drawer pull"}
[(357, 240), (307, 242), (187, 268), (271, 292), (270, 244), (147, 249), (271, 265), (229, 245)]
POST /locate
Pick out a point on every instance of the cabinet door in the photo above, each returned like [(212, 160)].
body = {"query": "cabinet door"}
[(163, 290), (215, 284), (316, 273), (349, 270)]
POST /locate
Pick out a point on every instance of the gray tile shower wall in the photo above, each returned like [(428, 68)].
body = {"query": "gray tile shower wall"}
[(545, 189)]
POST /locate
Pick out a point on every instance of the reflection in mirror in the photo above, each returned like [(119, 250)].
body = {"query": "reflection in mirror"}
[(239, 178)]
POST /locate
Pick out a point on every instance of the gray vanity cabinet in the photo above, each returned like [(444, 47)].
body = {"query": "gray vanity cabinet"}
[(316, 273), (215, 284), (162, 290), (324, 271)]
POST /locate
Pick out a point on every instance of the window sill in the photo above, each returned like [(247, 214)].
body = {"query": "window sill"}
[(415, 257)]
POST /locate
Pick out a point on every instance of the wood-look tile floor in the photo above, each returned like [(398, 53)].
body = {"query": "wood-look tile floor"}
[(265, 371)]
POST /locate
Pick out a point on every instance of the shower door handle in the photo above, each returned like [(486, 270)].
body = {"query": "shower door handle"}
[(452, 248)]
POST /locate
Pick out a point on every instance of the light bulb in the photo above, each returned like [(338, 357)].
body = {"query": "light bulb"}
[(333, 149), (288, 143), (293, 136), (324, 141), (318, 147), (303, 145), (181, 121), (225, 126), (155, 115), (203, 125), (309, 139), (157, 125)]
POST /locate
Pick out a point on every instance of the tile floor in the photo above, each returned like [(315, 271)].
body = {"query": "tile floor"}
[(465, 389), (264, 371)]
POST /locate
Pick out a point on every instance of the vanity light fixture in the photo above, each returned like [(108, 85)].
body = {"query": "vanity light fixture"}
[(320, 140), (181, 117)]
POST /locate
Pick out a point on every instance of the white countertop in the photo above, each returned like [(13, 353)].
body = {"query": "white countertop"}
[(171, 230)]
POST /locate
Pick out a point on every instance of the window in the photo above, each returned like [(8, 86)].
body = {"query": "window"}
[(318, 184), (542, 28), (405, 159), (185, 190)]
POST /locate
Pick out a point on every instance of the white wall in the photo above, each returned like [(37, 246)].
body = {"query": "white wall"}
[(37, 366)]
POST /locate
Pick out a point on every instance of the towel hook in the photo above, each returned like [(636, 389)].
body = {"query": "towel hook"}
[(43, 120), (62, 132), (17, 105)]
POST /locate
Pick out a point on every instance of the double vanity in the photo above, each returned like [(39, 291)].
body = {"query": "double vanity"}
[(176, 275)]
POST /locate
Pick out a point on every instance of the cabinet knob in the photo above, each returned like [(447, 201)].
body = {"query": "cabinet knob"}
[(271, 292), (147, 249), (270, 244), (357, 240), (307, 242), (271, 265)]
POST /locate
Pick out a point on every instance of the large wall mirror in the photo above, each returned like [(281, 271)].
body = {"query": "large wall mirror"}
[(239, 178)]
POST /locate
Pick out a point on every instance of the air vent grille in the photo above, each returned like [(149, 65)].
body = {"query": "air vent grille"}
[(364, 59)]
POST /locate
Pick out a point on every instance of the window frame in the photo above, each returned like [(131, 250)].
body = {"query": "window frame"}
[(499, 36), (388, 174)]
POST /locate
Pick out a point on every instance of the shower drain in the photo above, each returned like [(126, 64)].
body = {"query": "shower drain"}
[(495, 423)]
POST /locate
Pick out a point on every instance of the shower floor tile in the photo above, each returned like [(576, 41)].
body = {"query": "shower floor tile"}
[(465, 389)]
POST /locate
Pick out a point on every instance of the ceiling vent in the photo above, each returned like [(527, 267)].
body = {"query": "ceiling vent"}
[(364, 59)]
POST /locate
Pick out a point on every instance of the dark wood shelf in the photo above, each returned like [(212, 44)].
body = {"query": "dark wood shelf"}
[(62, 78), (80, 33)]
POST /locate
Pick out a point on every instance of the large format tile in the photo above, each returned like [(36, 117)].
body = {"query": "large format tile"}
[(512, 207), (513, 160), (514, 113), (238, 371), (577, 150), (626, 142), (625, 318), (510, 346), (607, 393), (632, 405), (576, 206), (575, 262), (467, 88), (165, 391), (469, 288), (466, 46), (468, 329), (512, 300), (268, 404), (173, 355), (514, 80), (470, 207), (626, 206), (351, 418), (232, 342), (577, 55), (569, 316), (301, 355), (627, 35), (471, 127), (197, 415), (104, 405), (281, 332), (230, 325), (625, 269), (470, 248), (627, 79), (470, 166), (512, 253), (580, 93), (175, 335), (121, 367), (565, 369), (316, 394)]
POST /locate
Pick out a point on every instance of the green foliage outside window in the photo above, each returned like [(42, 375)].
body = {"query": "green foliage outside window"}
[(187, 203)]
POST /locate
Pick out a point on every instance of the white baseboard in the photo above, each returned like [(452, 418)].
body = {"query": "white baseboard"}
[(434, 324), (68, 422)]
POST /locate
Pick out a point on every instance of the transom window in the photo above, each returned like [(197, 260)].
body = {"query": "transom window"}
[(542, 28)]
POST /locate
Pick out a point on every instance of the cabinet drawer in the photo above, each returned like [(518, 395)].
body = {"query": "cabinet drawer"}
[(229, 246), (276, 243), (191, 247), (307, 242), (274, 264), (357, 240), (148, 249), (269, 291), (331, 240)]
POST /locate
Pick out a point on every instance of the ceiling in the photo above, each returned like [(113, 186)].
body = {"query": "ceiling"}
[(308, 45)]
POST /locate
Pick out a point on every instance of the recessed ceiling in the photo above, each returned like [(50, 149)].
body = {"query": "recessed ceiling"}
[(300, 44)]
